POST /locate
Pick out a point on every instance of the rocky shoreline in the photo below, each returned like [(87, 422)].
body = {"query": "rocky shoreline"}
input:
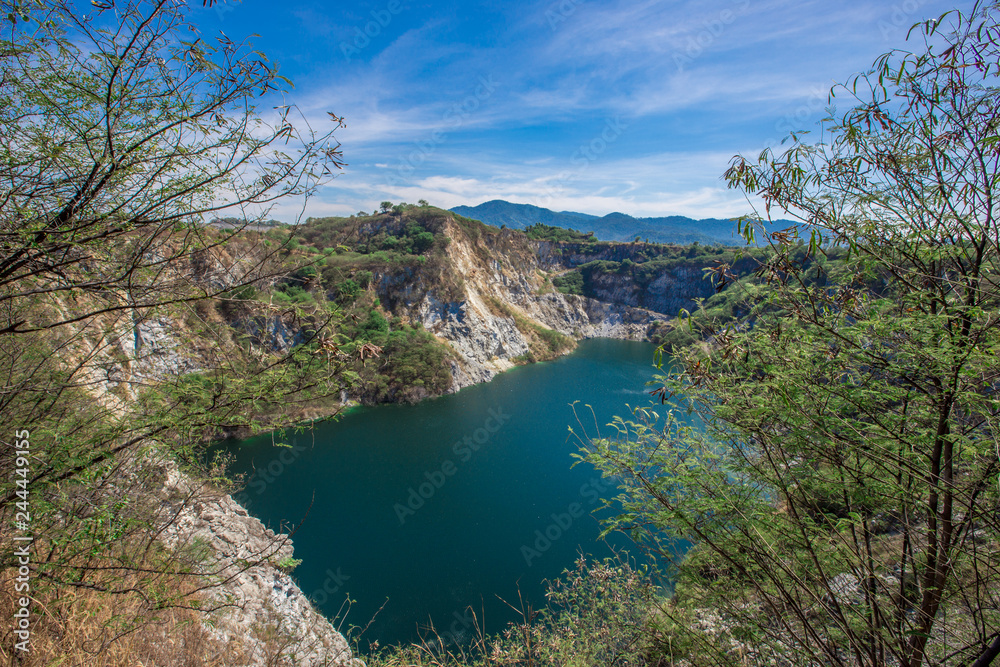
[(260, 614)]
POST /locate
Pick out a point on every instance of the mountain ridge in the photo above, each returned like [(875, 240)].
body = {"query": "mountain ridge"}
[(615, 226)]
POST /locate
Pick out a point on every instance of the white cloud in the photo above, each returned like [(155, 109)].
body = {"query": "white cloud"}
[(656, 185), (689, 76)]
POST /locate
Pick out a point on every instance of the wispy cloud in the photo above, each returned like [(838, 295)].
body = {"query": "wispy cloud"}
[(693, 81), (654, 185)]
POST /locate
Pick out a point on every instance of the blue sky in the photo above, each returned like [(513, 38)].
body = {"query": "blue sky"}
[(584, 105)]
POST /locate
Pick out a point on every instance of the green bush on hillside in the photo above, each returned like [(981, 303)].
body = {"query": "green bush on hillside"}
[(569, 283), (543, 232), (375, 324), (413, 364)]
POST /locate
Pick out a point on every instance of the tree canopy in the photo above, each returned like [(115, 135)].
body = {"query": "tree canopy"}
[(840, 485)]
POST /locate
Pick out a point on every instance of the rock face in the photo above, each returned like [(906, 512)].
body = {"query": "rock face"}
[(504, 295), (566, 255), (265, 617), (667, 293)]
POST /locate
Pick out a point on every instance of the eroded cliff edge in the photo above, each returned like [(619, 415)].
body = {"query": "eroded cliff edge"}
[(487, 294), (506, 295), (252, 613), (261, 615)]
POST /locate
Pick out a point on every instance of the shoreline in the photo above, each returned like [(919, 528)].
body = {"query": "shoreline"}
[(353, 405)]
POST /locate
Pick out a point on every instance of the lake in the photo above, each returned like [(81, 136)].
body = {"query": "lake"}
[(453, 503)]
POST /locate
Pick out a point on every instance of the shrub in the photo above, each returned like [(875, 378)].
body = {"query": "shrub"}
[(376, 323), (347, 291), (363, 278), (569, 283), (422, 242), (597, 614)]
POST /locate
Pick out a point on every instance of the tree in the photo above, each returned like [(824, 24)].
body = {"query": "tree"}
[(119, 138), (121, 135), (841, 486), (422, 242), (114, 134), (385, 206)]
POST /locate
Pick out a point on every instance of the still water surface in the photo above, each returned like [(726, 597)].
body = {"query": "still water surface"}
[(437, 507)]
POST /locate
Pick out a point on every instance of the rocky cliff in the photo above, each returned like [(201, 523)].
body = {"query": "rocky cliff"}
[(503, 306), (262, 328), (261, 612), (252, 612), (657, 277)]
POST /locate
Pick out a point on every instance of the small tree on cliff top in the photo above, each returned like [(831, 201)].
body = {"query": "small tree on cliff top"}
[(843, 497)]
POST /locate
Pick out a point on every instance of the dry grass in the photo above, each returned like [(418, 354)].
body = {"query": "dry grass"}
[(84, 626), (73, 626), (107, 601)]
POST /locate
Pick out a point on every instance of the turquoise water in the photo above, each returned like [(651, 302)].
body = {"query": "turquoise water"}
[(434, 508)]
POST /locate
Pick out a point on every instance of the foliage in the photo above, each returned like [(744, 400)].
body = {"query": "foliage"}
[(733, 305), (287, 564), (375, 324), (841, 485), (413, 364), (415, 233), (109, 177), (291, 294), (596, 614), (240, 223), (570, 282), (121, 134), (542, 232), (651, 262), (347, 291)]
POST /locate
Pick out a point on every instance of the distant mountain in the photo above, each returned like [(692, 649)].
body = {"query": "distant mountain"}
[(519, 216), (614, 226)]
